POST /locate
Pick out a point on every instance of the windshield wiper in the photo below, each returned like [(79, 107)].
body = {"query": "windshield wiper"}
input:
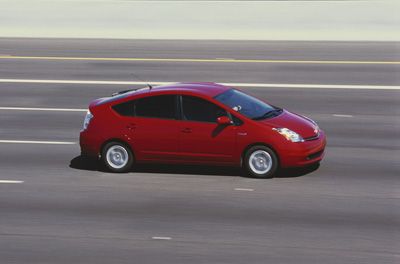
[(270, 113)]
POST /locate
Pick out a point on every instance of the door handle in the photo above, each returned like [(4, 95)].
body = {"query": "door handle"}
[(187, 130), (131, 126)]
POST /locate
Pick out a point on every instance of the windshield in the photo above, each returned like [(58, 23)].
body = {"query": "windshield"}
[(247, 105)]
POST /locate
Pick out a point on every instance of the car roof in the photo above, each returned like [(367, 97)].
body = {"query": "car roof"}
[(204, 88)]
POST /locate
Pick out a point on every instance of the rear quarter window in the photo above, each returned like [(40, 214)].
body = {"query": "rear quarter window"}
[(124, 109)]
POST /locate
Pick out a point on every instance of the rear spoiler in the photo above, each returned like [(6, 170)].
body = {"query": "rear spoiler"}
[(122, 92)]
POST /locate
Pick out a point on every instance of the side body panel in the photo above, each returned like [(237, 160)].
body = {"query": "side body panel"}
[(202, 142)]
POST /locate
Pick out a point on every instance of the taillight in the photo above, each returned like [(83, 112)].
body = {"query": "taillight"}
[(86, 122)]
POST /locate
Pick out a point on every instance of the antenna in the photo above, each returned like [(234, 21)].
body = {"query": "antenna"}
[(148, 84)]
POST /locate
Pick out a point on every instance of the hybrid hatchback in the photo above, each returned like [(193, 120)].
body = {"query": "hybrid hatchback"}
[(198, 123)]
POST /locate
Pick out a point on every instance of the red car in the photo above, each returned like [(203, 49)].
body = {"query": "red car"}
[(198, 123)]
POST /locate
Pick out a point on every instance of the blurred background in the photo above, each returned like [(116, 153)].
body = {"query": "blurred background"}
[(240, 20), (337, 62)]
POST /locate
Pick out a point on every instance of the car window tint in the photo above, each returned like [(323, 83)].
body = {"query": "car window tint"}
[(162, 106), (197, 109), (124, 109)]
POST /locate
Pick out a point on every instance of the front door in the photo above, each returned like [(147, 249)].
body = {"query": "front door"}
[(201, 138)]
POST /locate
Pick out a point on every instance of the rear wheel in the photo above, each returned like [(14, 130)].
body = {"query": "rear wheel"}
[(117, 157), (260, 162)]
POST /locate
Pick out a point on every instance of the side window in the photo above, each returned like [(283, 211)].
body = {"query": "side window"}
[(162, 106), (124, 109), (197, 109), (236, 121)]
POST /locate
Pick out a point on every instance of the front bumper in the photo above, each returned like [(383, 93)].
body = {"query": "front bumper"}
[(303, 153)]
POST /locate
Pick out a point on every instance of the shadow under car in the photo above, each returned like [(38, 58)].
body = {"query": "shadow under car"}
[(93, 164)]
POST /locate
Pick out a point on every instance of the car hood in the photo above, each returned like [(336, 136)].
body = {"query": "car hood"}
[(297, 123)]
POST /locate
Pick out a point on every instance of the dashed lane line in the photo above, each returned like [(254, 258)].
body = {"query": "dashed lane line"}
[(37, 142), (341, 115), (10, 181), (244, 189), (43, 109), (161, 238)]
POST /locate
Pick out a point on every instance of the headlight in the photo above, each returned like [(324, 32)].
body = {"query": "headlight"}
[(289, 134), (86, 122)]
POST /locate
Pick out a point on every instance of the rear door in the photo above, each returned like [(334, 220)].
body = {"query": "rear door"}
[(154, 129), (201, 139)]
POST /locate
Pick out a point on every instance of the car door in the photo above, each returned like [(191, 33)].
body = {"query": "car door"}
[(202, 139), (154, 128)]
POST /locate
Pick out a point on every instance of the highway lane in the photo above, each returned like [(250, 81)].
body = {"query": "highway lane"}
[(69, 210), (292, 50), (61, 214), (326, 101), (365, 123), (204, 71)]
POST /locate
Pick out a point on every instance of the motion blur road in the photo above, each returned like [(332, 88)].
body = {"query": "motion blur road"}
[(58, 208)]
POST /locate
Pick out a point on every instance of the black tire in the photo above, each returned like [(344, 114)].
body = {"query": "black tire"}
[(122, 159), (267, 161)]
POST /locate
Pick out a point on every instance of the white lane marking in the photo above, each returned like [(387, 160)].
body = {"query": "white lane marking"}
[(314, 86), (43, 109), (80, 82), (10, 181), (225, 59), (254, 85), (161, 238), (339, 115), (244, 189), (37, 142), (228, 60)]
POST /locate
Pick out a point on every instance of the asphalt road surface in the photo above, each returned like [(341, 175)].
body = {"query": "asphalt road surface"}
[(57, 208)]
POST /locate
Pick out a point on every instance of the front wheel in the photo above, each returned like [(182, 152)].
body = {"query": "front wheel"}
[(260, 162), (117, 157)]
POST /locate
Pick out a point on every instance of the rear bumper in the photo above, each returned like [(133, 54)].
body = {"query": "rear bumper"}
[(304, 153), (90, 144)]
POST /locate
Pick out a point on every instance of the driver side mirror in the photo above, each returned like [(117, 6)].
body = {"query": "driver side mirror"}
[(224, 120)]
